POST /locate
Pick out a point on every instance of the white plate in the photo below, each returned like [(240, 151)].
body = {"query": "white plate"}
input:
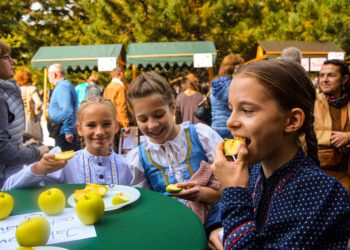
[(112, 191)]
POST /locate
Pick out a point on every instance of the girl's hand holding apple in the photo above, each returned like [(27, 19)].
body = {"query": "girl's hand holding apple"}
[(48, 164), (190, 191), (228, 173)]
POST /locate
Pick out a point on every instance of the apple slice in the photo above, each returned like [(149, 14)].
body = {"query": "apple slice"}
[(66, 155), (120, 198), (173, 188), (79, 193), (231, 146), (101, 190)]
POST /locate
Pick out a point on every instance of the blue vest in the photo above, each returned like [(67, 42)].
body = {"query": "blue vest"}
[(160, 176)]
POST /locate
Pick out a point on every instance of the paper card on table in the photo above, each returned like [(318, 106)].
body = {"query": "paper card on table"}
[(64, 227)]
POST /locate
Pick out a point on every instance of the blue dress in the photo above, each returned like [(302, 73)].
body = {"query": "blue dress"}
[(298, 207)]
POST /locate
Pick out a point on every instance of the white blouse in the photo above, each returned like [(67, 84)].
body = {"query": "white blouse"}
[(82, 168), (172, 152)]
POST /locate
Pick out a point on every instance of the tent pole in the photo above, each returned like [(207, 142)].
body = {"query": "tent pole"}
[(210, 74), (45, 95), (134, 71)]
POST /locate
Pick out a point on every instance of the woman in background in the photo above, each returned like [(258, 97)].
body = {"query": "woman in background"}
[(31, 100), (188, 100), (220, 111), (332, 113)]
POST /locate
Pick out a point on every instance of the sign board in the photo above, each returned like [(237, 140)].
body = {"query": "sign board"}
[(305, 62), (203, 60), (336, 55), (316, 63), (106, 63), (64, 227)]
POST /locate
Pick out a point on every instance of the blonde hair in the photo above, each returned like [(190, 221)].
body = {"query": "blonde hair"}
[(4, 49), (96, 100), (23, 77)]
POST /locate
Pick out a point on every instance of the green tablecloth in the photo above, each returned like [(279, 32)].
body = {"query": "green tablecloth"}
[(154, 221)]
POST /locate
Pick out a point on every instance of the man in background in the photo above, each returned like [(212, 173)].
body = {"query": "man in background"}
[(116, 92), (292, 53), (62, 109)]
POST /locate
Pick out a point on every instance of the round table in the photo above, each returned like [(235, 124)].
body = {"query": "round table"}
[(154, 221)]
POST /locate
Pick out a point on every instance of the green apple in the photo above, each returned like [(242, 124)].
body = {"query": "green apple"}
[(6, 205), (90, 208), (173, 188), (34, 231), (52, 201)]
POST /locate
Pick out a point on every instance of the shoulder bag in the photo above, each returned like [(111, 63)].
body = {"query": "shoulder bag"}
[(203, 112), (330, 157), (33, 126)]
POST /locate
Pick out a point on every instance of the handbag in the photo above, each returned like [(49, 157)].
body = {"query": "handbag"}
[(32, 127), (53, 127), (330, 157), (203, 112)]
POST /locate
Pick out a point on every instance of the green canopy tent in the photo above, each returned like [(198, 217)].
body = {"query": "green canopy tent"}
[(83, 56), (168, 53)]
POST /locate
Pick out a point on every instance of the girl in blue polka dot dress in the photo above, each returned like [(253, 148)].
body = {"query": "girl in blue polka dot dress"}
[(96, 163), (274, 195)]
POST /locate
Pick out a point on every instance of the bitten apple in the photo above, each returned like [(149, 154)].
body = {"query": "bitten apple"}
[(34, 231), (120, 198), (6, 205), (231, 146), (52, 201), (173, 188), (90, 208)]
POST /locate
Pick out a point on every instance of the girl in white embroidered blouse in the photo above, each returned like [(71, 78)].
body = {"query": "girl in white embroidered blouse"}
[(170, 153), (96, 163)]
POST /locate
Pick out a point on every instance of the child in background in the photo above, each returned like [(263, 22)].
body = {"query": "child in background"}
[(275, 196), (171, 153), (97, 163)]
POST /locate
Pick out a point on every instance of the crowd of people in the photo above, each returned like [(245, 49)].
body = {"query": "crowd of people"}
[(287, 189)]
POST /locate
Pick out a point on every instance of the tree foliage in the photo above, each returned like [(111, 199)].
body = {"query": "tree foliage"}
[(234, 25)]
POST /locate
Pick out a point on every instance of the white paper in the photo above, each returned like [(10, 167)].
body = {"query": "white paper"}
[(106, 63), (336, 55), (203, 60), (64, 227), (305, 63), (316, 63)]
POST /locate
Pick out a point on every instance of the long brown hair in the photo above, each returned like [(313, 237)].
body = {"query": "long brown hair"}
[(289, 84)]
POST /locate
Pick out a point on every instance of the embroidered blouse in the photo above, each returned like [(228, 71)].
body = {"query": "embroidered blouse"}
[(298, 207), (172, 152), (82, 168)]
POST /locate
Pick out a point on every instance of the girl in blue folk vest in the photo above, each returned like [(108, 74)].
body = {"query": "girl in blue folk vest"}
[(171, 153)]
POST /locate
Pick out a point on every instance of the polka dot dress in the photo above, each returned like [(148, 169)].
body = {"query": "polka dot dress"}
[(298, 207)]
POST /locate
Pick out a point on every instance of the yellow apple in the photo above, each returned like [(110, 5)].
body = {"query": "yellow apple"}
[(120, 198), (52, 201), (66, 155), (34, 231), (90, 208), (173, 188), (231, 146), (6, 205)]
